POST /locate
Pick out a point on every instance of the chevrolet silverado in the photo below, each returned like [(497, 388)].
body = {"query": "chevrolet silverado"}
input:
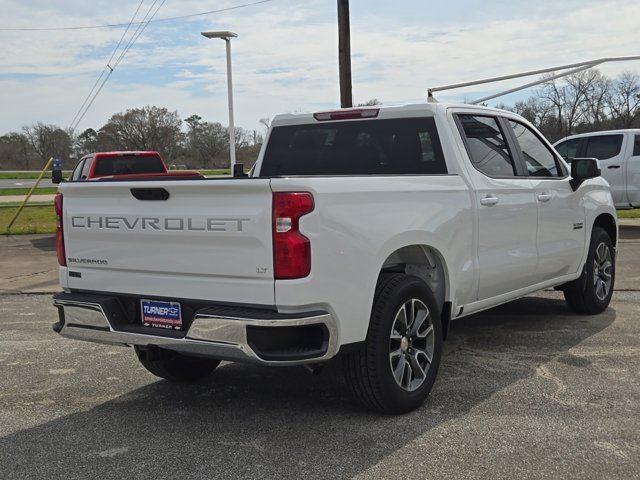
[(360, 233)]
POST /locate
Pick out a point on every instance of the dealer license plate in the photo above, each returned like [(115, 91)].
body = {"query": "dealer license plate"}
[(159, 314)]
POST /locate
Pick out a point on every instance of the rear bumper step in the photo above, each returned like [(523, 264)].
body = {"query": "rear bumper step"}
[(226, 333)]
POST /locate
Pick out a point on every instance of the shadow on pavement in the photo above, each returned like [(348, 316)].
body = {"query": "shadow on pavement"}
[(46, 244), (249, 421), (629, 232)]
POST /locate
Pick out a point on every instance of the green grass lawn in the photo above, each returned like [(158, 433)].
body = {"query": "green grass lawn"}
[(28, 175), (39, 218), (4, 192), (218, 171), (633, 213), (66, 173)]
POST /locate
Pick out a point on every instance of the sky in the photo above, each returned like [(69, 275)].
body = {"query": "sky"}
[(285, 56)]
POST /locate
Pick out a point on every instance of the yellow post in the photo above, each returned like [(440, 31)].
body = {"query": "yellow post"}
[(26, 199)]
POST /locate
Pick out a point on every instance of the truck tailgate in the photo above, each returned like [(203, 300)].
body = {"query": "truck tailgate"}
[(209, 240)]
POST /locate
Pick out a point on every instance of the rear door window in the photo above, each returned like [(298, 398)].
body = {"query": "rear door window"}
[(127, 164), (603, 147), (636, 147), (486, 145), (367, 147)]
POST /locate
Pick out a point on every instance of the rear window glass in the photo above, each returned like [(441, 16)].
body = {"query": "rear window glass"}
[(391, 147), (603, 146), (636, 147), (126, 164)]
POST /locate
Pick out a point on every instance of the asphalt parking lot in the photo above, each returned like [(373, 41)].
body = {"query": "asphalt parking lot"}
[(526, 390)]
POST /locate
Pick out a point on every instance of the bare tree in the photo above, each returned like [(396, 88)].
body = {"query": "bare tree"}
[(49, 141), (370, 103), (535, 110), (16, 152), (624, 100), (572, 99), (598, 90)]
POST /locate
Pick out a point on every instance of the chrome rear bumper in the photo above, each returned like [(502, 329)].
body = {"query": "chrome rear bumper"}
[(210, 334)]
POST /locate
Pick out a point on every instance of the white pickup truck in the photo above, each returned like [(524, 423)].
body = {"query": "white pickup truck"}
[(359, 233), (618, 152)]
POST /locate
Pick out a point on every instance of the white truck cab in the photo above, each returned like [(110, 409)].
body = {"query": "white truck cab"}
[(360, 233), (618, 152)]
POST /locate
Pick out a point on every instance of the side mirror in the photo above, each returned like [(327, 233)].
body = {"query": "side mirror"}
[(56, 171), (238, 170), (583, 169)]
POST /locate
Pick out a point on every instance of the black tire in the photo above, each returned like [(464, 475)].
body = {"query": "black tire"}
[(584, 295), (368, 370), (174, 366)]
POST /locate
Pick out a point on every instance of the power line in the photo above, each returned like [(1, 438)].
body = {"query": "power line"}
[(118, 25), (134, 37), (107, 66), (138, 32), (135, 14)]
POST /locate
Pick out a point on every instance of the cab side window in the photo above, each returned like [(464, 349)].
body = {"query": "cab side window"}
[(76, 171), (603, 147), (85, 169), (569, 149), (538, 158), (486, 145)]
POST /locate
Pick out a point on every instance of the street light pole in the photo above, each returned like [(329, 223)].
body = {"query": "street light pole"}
[(227, 36), (232, 128)]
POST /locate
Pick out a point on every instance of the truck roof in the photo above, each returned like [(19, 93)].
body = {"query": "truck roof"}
[(127, 152), (599, 132), (385, 111)]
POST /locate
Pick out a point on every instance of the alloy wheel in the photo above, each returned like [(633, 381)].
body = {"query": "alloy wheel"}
[(602, 266), (411, 344)]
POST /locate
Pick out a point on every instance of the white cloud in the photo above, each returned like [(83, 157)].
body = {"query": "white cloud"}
[(286, 56)]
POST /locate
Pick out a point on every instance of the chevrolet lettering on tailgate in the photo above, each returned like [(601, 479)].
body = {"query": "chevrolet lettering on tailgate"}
[(209, 224)]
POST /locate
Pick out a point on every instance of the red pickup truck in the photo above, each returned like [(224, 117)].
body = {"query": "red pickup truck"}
[(125, 166)]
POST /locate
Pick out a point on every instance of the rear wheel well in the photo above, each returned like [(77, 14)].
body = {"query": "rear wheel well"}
[(423, 262), (608, 224), (426, 263)]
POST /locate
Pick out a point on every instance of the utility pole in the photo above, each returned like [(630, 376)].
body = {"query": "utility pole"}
[(344, 54)]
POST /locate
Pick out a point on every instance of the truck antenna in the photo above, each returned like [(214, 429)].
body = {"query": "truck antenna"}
[(570, 69)]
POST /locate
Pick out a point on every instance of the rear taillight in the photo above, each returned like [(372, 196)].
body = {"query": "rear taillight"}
[(291, 249), (57, 204)]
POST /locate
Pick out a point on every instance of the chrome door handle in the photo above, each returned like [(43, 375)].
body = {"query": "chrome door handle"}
[(488, 201), (544, 197)]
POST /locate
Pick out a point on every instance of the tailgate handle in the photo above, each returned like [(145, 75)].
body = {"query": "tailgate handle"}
[(150, 193)]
